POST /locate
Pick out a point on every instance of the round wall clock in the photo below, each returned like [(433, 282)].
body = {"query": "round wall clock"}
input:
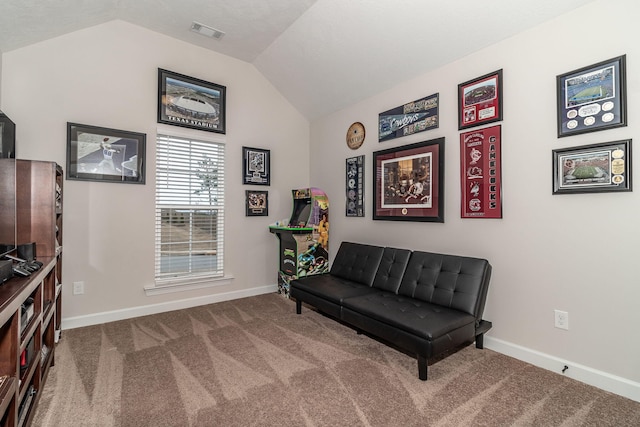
[(355, 135)]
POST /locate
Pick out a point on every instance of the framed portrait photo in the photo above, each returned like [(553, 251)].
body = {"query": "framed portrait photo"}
[(257, 203), (409, 182), (592, 98), (594, 168), (189, 102), (480, 100), (256, 166), (101, 154)]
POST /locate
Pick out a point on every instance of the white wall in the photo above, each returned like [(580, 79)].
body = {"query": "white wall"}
[(107, 76), (576, 253)]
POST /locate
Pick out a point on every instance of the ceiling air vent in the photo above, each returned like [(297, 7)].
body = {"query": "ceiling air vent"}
[(205, 30)]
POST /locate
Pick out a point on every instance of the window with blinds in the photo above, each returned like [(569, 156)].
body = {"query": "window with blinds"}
[(189, 209)]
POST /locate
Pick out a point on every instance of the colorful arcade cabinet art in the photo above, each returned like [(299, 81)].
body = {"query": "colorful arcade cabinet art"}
[(304, 238)]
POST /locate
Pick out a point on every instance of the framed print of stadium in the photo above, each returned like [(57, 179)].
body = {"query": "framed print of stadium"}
[(189, 102), (480, 100), (594, 168), (256, 166), (592, 98), (409, 182)]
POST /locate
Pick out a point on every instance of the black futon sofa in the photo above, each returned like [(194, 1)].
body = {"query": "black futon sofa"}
[(424, 303)]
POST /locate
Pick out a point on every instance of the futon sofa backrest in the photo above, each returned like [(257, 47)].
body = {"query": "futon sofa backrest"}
[(392, 265), (448, 280), (357, 262)]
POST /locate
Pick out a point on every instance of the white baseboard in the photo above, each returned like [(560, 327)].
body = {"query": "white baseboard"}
[(128, 313), (603, 380)]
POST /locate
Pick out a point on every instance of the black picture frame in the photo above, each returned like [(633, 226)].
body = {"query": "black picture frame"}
[(102, 154), (594, 168), (480, 100), (256, 166), (411, 118), (592, 98), (354, 186), (409, 182), (190, 102), (257, 203)]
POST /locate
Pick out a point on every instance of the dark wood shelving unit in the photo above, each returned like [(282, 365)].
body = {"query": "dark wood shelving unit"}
[(25, 333)]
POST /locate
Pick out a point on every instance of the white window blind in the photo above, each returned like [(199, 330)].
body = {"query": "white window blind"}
[(189, 209)]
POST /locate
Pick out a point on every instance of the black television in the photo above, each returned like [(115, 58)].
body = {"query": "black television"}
[(7, 137), (7, 206)]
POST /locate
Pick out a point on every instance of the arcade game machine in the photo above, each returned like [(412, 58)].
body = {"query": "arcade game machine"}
[(304, 238)]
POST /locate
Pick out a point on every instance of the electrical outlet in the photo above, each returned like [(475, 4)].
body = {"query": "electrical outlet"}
[(561, 319), (78, 288)]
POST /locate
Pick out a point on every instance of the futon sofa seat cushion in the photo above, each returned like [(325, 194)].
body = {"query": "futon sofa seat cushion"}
[(420, 318), (331, 288)]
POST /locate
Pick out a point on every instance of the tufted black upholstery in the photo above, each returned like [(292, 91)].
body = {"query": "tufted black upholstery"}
[(447, 280), (425, 303), (357, 262)]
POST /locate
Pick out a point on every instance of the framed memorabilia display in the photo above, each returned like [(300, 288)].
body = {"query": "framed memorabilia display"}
[(257, 203), (480, 100), (355, 186), (414, 117), (102, 154), (592, 98), (594, 168), (189, 102), (409, 182), (355, 135), (256, 166), (481, 173)]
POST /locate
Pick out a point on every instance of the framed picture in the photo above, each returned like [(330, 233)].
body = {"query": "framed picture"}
[(102, 154), (409, 182), (417, 116), (256, 166), (481, 173), (355, 186), (257, 203), (592, 168), (480, 100), (592, 98), (189, 102)]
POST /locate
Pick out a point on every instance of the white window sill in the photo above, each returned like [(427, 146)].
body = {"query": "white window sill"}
[(169, 286)]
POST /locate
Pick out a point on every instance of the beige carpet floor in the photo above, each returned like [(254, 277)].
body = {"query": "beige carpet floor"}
[(254, 362)]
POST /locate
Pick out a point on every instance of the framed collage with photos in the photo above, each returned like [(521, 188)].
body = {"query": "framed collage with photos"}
[(480, 100), (355, 186), (592, 98), (593, 168)]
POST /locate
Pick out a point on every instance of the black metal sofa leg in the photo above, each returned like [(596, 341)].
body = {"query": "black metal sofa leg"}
[(298, 306), (480, 341), (422, 368)]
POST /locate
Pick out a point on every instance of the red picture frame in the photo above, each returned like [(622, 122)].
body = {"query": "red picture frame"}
[(409, 182), (480, 100), (481, 173)]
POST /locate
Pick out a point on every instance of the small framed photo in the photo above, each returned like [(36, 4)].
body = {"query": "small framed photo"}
[(480, 100), (592, 98), (257, 203), (101, 154), (189, 102), (256, 166), (594, 168), (409, 182)]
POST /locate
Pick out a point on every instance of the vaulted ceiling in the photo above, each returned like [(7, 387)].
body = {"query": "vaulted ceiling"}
[(323, 55)]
